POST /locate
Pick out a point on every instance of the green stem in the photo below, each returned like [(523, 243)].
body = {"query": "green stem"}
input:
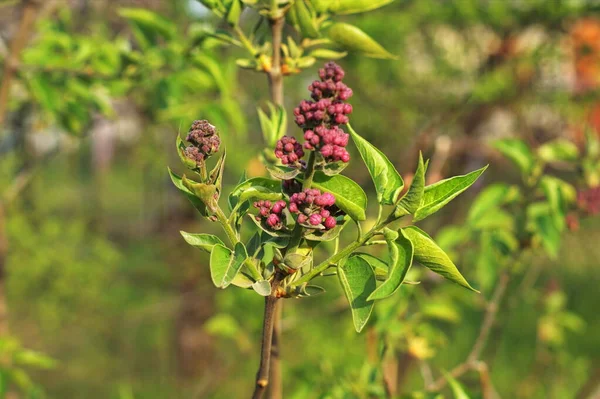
[(310, 171), (233, 238)]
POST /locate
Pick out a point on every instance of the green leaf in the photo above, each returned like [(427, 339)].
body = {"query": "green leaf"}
[(306, 19), (204, 242), (330, 234), (491, 197), (351, 38), (198, 204), (349, 196), (149, 23), (225, 264), (457, 390), (358, 281), (327, 54), (282, 172), (437, 195), (262, 287), (430, 255), (334, 168), (559, 150), (251, 188), (343, 7), (234, 12), (518, 152), (401, 256), (414, 196), (379, 266), (388, 182)]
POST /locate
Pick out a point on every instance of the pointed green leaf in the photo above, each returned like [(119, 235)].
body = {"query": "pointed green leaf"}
[(282, 172), (560, 150), (358, 281), (413, 197), (342, 7), (253, 187), (430, 255), (234, 12), (401, 256), (225, 264), (327, 54), (518, 152), (306, 19), (351, 38), (178, 182), (349, 196), (388, 182), (491, 197), (379, 266), (204, 242), (457, 389), (439, 194)]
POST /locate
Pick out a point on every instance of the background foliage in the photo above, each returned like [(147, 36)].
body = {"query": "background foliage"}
[(99, 279)]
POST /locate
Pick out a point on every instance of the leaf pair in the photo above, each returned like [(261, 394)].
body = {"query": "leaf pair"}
[(358, 274)]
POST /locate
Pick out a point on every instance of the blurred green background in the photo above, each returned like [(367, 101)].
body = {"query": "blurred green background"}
[(97, 277)]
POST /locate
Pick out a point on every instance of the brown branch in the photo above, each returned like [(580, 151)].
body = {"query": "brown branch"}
[(262, 376), (472, 362), (275, 78), (30, 8)]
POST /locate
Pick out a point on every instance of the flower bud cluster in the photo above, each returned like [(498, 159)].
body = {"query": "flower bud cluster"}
[(313, 208), (271, 213), (320, 117), (204, 139), (289, 150), (589, 200)]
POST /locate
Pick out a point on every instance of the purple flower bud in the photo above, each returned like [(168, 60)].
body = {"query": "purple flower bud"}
[(330, 222), (273, 220), (302, 218), (315, 219)]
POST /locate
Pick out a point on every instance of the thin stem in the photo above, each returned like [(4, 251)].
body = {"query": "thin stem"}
[(310, 171), (262, 376), (472, 361), (274, 74)]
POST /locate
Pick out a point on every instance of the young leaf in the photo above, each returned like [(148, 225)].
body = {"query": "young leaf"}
[(558, 150), (491, 197), (412, 199), (253, 187), (262, 287), (342, 7), (349, 196), (225, 264), (282, 172), (457, 389), (430, 255), (388, 182), (358, 281), (327, 54), (234, 12), (306, 19), (401, 256), (518, 152), (437, 195), (198, 204), (204, 242), (352, 38)]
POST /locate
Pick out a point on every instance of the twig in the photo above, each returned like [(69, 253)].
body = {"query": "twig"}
[(275, 78), (472, 361), (262, 376)]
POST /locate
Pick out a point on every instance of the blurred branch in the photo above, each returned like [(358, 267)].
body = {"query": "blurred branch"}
[(30, 9), (472, 362)]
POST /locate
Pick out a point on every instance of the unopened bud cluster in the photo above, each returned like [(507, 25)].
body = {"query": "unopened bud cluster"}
[(271, 213), (320, 117), (289, 150), (313, 208), (204, 141)]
